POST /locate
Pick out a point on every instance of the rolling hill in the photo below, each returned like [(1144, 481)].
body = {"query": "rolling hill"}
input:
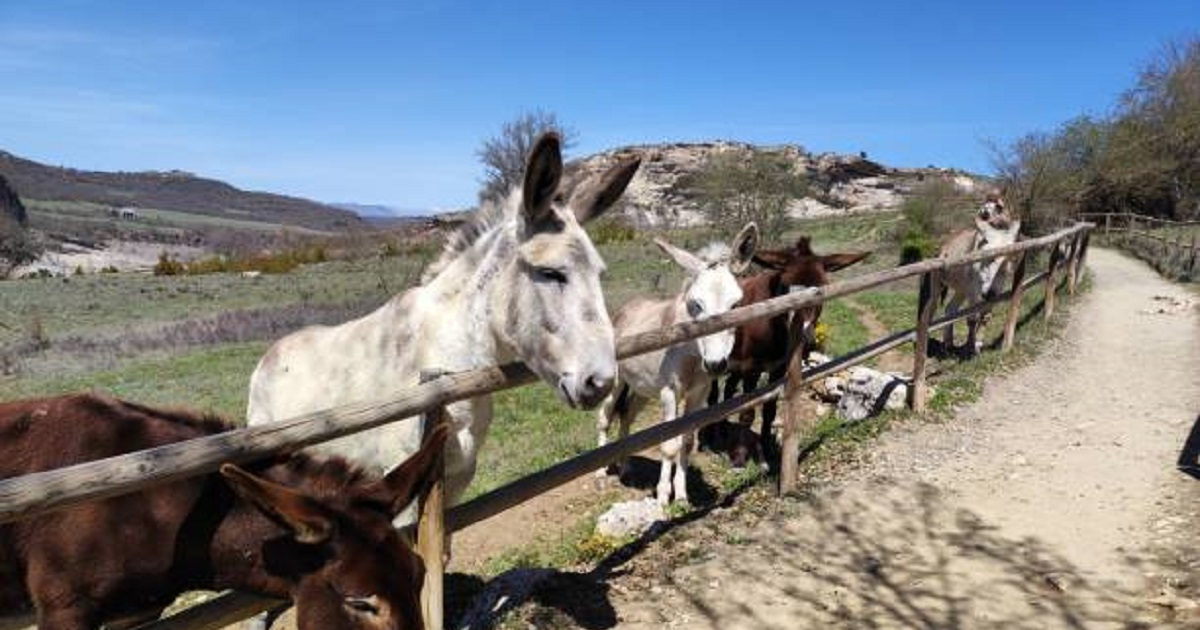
[(175, 191)]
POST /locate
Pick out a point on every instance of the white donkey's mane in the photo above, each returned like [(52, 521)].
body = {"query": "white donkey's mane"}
[(715, 253), (490, 215)]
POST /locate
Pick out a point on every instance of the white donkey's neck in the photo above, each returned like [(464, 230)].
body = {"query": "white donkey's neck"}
[(463, 307)]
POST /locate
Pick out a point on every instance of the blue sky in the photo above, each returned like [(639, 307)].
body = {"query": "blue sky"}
[(387, 102)]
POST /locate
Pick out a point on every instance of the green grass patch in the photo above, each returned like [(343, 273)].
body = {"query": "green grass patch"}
[(531, 430), (845, 331), (215, 380)]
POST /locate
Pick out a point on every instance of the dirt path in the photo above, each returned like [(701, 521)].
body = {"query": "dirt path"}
[(891, 361), (1052, 502)]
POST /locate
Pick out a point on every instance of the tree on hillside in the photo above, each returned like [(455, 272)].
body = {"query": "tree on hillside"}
[(10, 203), (504, 156), (17, 245), (735, 187), (1144, 158)]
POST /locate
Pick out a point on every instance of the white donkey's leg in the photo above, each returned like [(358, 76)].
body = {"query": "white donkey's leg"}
[(671, 448), (694, 401), (604, 415)]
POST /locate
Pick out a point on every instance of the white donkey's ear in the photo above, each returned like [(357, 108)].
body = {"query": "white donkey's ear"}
[(683, 258), (543, 171), (743, 247), (602, 192)]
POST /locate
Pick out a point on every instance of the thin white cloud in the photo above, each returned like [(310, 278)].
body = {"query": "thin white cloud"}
[(32, 47)]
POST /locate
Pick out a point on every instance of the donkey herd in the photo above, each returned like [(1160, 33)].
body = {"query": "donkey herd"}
[(521, 281)]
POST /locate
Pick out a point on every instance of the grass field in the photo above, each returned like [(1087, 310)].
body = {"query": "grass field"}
[(194, 340), (151, 219)]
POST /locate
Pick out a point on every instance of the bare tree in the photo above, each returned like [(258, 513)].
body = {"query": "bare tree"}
[(504, 156)]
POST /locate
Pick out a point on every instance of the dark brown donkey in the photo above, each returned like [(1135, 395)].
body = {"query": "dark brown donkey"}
[(761, 345), (315, 531)]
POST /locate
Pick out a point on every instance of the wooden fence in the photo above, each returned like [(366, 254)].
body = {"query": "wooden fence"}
[(38, 493), (1173, 253)]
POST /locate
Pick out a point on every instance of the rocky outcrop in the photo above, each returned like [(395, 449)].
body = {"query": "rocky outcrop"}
[(659, 194)]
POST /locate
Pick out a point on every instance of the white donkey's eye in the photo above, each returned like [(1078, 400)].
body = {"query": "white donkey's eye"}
[(551, 274), (695, 308)]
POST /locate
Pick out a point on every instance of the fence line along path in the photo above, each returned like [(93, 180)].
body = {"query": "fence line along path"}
[(41, 492)]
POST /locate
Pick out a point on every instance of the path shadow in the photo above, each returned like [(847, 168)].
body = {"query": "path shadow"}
[(561, 599), (1189, 457), (885, 555), (641, 473)]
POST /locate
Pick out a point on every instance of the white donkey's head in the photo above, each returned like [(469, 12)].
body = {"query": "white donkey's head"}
[(554, 316), (994, 227), (712, 289)]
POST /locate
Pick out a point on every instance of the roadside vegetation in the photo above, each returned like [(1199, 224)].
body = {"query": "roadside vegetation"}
[(1143, 158)]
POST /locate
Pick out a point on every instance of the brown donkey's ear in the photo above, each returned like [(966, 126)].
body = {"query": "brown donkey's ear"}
[(413, 478), (600, 194), (834, 262), (776, 259), (543, 171), (309, 521)]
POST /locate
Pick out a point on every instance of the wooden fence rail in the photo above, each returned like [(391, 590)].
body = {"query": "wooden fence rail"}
[(1178, 254), (41, 492)]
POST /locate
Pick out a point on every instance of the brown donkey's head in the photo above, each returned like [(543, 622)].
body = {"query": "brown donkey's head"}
[(346, 566), (799, 266)]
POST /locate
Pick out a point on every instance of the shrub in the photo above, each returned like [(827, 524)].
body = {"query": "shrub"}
[(934, 210), (737, 186), (915, 247), (611, 230), (168, 266)]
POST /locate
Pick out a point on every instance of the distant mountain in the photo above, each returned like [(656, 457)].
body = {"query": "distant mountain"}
[(372, 211), (169, 190)]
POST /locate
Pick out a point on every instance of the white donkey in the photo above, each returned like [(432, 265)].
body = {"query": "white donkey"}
[(975, 283), (679, 375), (520, 281)]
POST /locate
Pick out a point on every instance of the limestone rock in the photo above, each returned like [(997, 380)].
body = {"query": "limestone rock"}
[(868, 392), (630, 518)]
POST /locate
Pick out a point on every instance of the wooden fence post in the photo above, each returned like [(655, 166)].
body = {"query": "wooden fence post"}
[(931, 290), (1052, 280), (794, 406), (1014, 304), (431, 529), (1083, 251), (1192, 262), (1072, 260), (1107, 223)]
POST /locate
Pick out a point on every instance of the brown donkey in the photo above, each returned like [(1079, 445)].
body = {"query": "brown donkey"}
[(315, 531), (761, 345)]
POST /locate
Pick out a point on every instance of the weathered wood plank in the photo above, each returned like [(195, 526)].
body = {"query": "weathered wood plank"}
[(793, 408), (431, 530), (1014, 304), (931, 289)]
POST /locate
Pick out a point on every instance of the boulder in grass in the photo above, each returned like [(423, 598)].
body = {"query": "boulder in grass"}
[(868, 392), (630, 518)]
